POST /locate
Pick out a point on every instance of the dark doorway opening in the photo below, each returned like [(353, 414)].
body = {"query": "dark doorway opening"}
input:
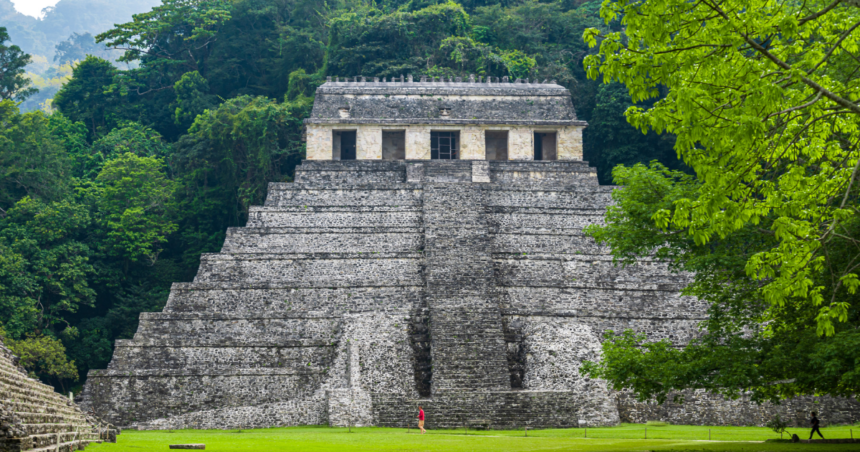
[(444, 145), (496, 144), (545, 146), (393, 144), (343, 145)]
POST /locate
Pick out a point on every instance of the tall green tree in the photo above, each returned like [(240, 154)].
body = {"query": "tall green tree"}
[(44, 357), (136, 205), (47, 267), (78, 47), (32, 161), (762, 99), (89, 98), (13, 84)]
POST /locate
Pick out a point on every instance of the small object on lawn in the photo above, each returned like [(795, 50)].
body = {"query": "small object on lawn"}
[(646, 432), (188, 446), (526, 429), (795, 439)]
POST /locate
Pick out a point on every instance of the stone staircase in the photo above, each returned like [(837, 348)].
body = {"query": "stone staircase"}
[(35, 418), (467, 342)]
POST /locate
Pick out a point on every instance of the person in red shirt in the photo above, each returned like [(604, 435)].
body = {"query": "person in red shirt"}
[(421, 420)]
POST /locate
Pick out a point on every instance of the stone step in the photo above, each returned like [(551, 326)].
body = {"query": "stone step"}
[(47, 428), (47, 439), (281, 195), (249, 331), (66, 447), (262, 300), (36, 398), (334, 217), (129, 356), (37, 406), (542, 270), (280, 240), (379, 171), (548, 199), (20, 392), (467, 343), (568, 243), (19, 384), (347, 270), (49, 418)]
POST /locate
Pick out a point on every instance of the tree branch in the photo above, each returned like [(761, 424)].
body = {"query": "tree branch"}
[(819, 13), (799, 107)]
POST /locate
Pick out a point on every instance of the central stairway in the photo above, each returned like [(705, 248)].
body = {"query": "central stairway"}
[(467, 342)]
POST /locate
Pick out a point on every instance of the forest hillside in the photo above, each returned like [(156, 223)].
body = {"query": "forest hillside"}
[(143, 162)]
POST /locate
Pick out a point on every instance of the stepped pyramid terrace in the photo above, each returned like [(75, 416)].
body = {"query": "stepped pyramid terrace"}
[(35, 418), (430, 251)]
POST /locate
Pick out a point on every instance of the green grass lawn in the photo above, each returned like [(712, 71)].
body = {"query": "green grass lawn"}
[(627, 437)]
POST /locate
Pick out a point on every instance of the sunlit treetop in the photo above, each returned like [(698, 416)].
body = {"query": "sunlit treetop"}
[(762, 96)]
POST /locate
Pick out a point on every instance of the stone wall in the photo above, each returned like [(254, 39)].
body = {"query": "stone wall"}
[(494, 410), (366, 288), (702, 408)]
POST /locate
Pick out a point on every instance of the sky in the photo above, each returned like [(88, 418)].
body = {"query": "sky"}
[(32, 7)]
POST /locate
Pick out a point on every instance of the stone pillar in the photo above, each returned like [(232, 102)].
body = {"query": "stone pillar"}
[(418, 143), (318, 142), (368, 143), (570, 143), (472, 144), (351, 405), (521, 144)]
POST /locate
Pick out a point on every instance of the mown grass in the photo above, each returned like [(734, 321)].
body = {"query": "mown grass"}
[(627, 437)]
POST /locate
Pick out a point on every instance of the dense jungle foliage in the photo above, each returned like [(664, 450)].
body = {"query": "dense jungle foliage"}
[(762, 100), (112, 197)]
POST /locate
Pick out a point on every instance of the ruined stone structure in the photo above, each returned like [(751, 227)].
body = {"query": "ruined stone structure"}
[(35, 418), (430, 251)]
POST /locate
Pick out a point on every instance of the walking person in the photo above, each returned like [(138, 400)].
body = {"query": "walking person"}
[(421, 420), (814, 422)]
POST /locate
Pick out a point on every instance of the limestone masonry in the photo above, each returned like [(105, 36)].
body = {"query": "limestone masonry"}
[(430, 251), (35, 418)]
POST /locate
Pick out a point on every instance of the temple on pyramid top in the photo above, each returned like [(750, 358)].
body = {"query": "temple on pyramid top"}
[(434, 118)]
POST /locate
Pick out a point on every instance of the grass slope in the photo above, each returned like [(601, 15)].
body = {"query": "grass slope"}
[(627, 437)]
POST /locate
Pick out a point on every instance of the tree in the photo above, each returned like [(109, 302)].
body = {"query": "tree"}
[(192, 98), (78, 47), (13, 83), (761, 97), (136, 206), (48, 266), (43, 356), (88, 97), (367, 42), (32, 161)]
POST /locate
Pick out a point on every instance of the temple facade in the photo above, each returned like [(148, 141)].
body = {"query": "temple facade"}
[(442, 120)]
